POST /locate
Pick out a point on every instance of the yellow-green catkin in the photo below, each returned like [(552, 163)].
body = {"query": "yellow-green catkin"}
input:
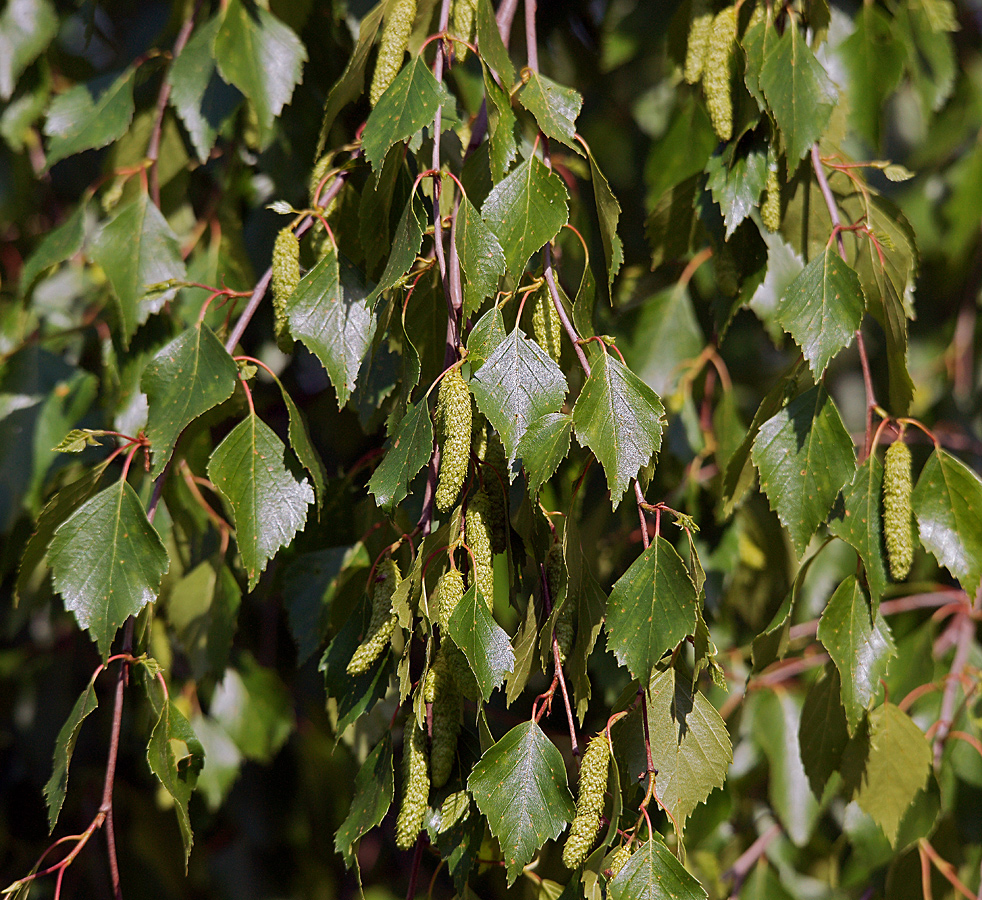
[(487, 447), (621, 855), (700, 27), (589, 802), (453, 415), (447, 712), (392, 47), (383, 621), (416, 786), (897, 487), (546, 326), (286, 277), (716, 72), (449, 590), (462, 18), (770, 209), (478, 538)]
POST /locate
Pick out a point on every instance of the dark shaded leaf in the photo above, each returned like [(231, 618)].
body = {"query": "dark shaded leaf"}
[(57, 786), (408, 451), (483, 641)]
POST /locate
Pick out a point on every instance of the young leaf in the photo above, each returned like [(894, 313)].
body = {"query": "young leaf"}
[(653, 873), (823, 733), (408, 452), (481, 257), (269, 505), (860, 645), (822, 308), (303, 445), (690, 745), (138, 249), (543, 447), (736, 183), (609, 212), (59, 244), (520, 786), (502, 148), (483, 641), (107, 562), (652, 607), (330, 315), (489, 43), (518, 384), (485, 337), (408, 106), (804, 455), (89, 116), (405, 246), (947, 503), (262, 57), (202, 99), (554, 107), (525, 211), (620, 419), (55, 789), (374, 790), (192, 374), (859, 523), (26, 28), (799, 92)]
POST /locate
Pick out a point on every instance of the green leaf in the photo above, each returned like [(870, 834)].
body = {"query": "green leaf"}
[(930, 53), (736, 184), (608, 212), (408, 451), (57, 786), (886, 766), (823, 733), (269, 506), (485, 337), (525, 211), (202, 99), (804, 455), (492, 49), (107, 562), (543, 447), (874, 59), (374, 790), (138, 249), (176, 757), (254, 708), (501, 127), (690, 745), (483, 641), (947, 502), (56, 246), (520, 786), (89, 116), (331, 316), (78, 439), (405, 247), (799, 92), (758, 42), (262, 57), (303, 445), (26, 29), (653, 873), (652, 607), (690, 128), (408, 106), (857, 521), (192, 374), (822, 308), (620, 419), (860, 645), (481, 257), (202, 609), (554, 107), (518, 384)]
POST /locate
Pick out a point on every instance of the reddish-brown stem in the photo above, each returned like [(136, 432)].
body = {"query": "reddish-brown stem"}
[(560, 309), (945, 868), (248, 393), (414, 873), (641, 516), (531, 40), (745, 862), (965, 628)]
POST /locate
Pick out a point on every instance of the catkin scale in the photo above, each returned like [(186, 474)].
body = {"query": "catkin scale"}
[(286, 277), (479, 541), (589, 802), (897, 487), (416, 786), (392, 46), (546, 326), (487, 447), (716, 72), (453, 415), (446, 710), (383, 621), (770, 209), (700, 27)]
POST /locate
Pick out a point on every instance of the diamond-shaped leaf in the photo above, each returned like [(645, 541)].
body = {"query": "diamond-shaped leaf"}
[(823, 733), (526, 210), (804, 456), (269, 506), (502, 148), (653, 873), (26, 28), (620, 419), (481, 257), (405, 246), (56, 246), (518, 384), (55, 789), (483, 641), (107, 562), (407, 453), (543, 447), (652, 607), (520, 786), (822, 308), (947, 502), (609, 212), (554, 107), (192, 374), (736, 183), (374, 790)]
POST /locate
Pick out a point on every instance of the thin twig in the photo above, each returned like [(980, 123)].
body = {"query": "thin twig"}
[(560, 309), (965, 628), (745, 862), (531, 40)]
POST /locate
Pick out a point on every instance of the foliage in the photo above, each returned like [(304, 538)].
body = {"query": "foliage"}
[(265, 274)]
